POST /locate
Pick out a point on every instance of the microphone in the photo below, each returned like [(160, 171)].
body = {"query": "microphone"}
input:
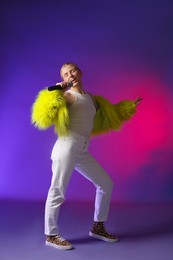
[(59, 87)]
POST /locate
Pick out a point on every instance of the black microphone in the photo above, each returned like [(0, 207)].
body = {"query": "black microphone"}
[(59, 87)]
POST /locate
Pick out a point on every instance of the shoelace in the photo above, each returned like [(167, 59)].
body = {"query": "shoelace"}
[(61, 239)]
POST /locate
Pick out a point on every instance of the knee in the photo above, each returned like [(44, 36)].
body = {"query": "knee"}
[(55, 195), (108, 185)]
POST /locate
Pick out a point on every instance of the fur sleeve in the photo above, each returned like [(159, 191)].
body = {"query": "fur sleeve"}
[(125, 109), (106, 117), (111, 116), (47, 108)]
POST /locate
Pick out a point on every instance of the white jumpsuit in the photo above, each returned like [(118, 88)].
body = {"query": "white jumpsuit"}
[(69, 153)]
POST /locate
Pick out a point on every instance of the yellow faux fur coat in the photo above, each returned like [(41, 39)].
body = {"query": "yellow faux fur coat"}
[(50, 108)]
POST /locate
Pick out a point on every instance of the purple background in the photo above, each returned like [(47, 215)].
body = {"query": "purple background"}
[(125, 50)]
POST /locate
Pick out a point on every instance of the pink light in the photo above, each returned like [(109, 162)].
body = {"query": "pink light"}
[(151, 129)]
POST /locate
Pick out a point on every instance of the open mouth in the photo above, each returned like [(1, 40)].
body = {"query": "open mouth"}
[(74, 81)]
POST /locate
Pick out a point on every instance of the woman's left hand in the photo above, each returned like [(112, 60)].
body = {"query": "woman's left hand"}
[(138, 101)]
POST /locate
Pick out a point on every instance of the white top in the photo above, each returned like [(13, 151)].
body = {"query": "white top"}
[(82, 113)]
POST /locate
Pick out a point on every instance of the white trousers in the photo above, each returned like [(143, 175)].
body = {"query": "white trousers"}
[(71, 153)]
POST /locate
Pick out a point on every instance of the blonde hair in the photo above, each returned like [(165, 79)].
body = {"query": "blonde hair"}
[(69, 63)]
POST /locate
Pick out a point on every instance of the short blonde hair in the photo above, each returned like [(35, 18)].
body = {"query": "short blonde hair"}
[(69, 63)]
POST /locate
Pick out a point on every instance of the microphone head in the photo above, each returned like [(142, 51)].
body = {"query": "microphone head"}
[(69, 84)]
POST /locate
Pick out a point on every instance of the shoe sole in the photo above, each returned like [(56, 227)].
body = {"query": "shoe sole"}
[(103, 238), (58, 247)]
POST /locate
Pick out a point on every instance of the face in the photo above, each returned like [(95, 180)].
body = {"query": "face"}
[(71, 73)]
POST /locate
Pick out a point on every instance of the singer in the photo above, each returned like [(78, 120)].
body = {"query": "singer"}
[(76, 115)]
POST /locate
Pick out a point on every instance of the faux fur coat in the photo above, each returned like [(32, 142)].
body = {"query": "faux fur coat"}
[(50, 108)]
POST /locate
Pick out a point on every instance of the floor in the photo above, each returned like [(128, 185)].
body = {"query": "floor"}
[(145, 231)]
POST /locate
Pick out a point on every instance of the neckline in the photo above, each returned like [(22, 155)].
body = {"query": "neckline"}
[(83, 94)]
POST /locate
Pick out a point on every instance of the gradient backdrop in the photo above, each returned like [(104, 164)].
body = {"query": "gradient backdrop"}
[(125, 50)]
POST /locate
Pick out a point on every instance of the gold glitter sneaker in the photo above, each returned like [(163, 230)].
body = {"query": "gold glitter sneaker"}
[(58, 242), (98, 231)]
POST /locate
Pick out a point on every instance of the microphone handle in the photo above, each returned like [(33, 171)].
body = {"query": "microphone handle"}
[(55, 87), (51, 88)]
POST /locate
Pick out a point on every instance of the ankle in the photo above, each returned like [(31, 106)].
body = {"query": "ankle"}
[(51, 236), (98, 224)]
